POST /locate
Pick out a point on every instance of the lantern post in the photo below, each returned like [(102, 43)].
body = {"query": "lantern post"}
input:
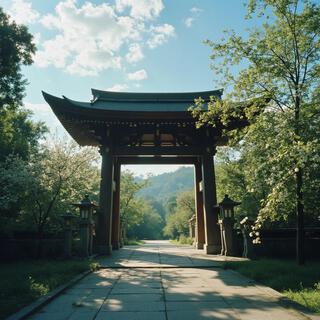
[(67, 219), (226, 222), (86, 207)]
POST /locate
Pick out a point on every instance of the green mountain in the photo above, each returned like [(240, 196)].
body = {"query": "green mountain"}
[(166, 185)]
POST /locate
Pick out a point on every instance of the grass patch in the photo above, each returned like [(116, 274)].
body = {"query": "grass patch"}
[(25, 281), (134, 242), (183, 240), (299, 283)]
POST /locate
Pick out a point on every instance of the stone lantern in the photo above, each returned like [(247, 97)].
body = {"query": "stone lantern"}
[(67, 219), (192, 227), (226, 222), (86, 207)]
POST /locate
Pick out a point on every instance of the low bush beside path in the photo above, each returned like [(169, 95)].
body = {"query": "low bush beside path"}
[(24, 282)]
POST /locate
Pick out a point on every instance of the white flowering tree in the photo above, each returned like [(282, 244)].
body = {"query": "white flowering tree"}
[(62, 173)]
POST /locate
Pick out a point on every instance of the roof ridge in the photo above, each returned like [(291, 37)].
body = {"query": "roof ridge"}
[(153, 96)]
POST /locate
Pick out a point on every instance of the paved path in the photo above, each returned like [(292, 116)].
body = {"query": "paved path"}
[(159, 281)]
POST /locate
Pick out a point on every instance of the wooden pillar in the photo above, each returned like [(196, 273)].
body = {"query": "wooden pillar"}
[(105, 206), (116, 207), (211, 210), (200, 234)]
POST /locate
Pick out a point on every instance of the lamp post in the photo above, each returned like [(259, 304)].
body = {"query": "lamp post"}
[(121, 232), (226, 221), (86, 207), (67, 218), (192, 227)]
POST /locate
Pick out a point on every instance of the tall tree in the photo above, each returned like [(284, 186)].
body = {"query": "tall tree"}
[(131, 206), (18, 134), (34, 193), (234, 177), (177, 223), (16, 49), (61, 173), (281, 61), (150, 226), (14, 180)]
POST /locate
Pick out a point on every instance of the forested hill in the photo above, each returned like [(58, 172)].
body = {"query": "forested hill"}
[(163, 186)]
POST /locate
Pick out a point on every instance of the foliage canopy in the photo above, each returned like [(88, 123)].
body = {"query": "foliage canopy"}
[(16, 49), (279, 151)]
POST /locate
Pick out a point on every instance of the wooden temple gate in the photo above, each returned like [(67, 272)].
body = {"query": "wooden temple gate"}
[(145, 128)]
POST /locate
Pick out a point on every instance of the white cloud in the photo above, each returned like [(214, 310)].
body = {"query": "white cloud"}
[(37, 107), (90, 38), (22, 12), (91, 62), (160, 35), (195, 10), (118, 87), (135, 53), (189, 21), (50, 21), (53, 52), (138, 75), (42, 112), (141, 9), (195, 13), (37, 38)]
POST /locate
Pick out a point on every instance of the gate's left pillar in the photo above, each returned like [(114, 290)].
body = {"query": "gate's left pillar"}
[(116, 207), (104, 228)]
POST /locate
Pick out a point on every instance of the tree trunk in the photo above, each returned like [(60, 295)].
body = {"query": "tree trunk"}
[(39, 242), (300, 254), (125, 233)]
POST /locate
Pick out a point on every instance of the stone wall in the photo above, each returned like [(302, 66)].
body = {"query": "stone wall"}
[(281, 243), (13, 249)]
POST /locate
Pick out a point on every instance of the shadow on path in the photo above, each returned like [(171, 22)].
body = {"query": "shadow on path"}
[(161, 281)]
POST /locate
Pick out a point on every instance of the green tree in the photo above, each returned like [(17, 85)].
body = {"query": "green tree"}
[(34, 193), (150, 226), (16, 49), (14, 179), (60, 174), (170, 205), (177, 223), (280, 61), (18, 134), (131, 205), (233, 177), (156, 204)]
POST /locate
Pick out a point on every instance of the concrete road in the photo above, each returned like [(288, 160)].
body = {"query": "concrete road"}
[(160, 281)]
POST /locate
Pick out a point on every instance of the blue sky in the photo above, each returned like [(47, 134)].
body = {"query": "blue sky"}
[(128, 45)]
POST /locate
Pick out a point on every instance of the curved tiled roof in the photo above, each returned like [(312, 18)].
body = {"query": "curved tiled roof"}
[(154, 97), (134, 102)]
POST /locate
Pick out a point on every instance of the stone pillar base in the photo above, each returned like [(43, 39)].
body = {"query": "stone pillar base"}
[(105, 250), (199, 245), (211, 249), (116, 246)]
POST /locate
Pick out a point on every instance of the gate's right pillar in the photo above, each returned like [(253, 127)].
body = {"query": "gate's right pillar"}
[(212, 230), (200, 234)]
